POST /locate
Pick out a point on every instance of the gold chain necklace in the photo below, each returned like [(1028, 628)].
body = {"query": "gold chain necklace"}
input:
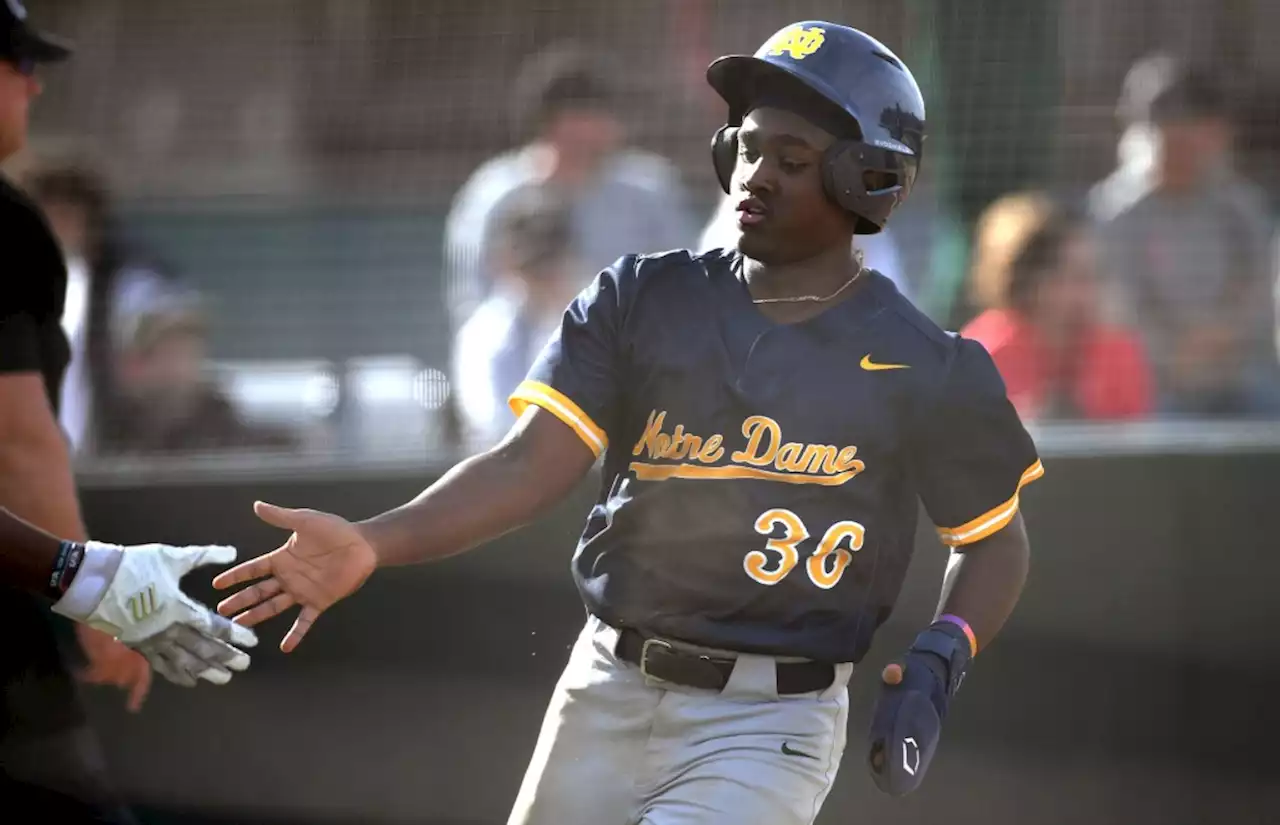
[(799, 298)]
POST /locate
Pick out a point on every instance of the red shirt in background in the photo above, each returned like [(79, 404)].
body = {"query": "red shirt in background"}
[(1105, 376)]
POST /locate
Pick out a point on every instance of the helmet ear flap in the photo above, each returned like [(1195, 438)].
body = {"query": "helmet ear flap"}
[(850, 170), (842, 175), (724, 154)]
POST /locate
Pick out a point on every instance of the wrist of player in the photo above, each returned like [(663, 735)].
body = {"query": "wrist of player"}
[(134, 595), (124, 594), (80, 576), (395, 538), (379, 536), (947, 647)]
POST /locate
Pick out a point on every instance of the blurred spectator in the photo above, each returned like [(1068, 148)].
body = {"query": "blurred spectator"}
[(1188, 243), (880, 251), (1036, 272), (999, 235), (102, 275), (164, 404), (537, 278), (622, 200)]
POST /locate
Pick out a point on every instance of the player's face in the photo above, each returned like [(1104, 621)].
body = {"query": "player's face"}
[(1068, 295), (588, 135), (18, 87), (783, 214), (170, 371), (1187, 149)]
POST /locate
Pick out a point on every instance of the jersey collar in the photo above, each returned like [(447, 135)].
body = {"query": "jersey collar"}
[(846, 318)]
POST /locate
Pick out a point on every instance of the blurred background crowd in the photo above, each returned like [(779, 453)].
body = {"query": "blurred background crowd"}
[(345, 228)]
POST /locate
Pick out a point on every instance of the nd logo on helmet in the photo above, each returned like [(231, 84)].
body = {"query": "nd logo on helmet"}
[(797, 42)]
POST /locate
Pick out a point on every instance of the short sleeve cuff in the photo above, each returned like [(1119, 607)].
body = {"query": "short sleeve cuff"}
[(563, 408), (992, 521)]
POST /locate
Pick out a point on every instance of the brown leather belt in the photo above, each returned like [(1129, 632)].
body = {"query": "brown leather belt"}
[(668, 662)]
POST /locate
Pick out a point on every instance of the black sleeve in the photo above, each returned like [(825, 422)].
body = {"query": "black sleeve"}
[(19, 340), (23, 298), (577, 377), (971, 454)]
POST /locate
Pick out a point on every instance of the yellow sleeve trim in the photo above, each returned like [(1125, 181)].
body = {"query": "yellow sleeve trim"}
[(992, 521), (559, 405)]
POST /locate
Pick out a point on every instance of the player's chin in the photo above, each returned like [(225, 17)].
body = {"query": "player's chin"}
[(758, 244), (13, 138)]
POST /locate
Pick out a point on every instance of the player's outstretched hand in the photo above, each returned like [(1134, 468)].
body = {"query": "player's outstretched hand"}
[(131, 597), (325, 560)]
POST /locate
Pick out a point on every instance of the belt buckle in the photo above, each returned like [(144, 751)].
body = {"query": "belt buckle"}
[(644, 656)]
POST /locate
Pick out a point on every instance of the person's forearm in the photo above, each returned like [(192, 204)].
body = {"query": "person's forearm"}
[(984, 581), (37, 485), (27, 553), (480, 499)]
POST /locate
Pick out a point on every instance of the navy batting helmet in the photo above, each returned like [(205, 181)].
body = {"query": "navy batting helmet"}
[(870, 176)]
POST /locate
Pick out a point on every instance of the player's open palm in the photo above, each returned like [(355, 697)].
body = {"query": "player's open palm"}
[(325, 560)]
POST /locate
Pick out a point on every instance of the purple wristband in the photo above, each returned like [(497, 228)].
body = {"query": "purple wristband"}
[(968, 631)]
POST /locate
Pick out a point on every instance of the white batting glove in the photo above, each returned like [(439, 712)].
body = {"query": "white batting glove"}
[(133, 594)]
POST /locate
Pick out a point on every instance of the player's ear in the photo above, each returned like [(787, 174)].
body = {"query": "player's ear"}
[(724, 154)]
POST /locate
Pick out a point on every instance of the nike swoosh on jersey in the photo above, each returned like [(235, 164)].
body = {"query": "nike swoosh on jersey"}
[(870, 366)]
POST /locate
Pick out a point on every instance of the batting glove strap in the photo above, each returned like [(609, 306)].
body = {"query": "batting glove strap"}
[(949, 648), (94, 575)]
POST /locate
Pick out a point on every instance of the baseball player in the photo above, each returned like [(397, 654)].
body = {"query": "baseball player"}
[(768, 417), (130, 614), (130, 594)]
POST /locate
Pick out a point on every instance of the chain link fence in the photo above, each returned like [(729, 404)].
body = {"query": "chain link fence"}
[(295, 160)]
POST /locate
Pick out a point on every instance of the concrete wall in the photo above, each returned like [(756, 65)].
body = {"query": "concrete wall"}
[(1133, 684)]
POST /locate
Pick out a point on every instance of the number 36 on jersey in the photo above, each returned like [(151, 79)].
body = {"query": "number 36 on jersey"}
[(825, 566)]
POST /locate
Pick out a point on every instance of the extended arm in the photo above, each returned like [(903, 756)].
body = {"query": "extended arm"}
[(328, 558), (539, 463), (39, 511), (184, 640), (566, 407)]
